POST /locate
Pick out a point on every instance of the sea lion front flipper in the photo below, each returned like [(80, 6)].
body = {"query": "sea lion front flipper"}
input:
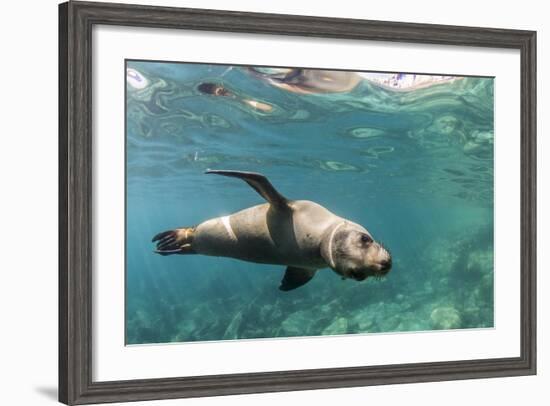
[(296, 277), (260, 184)]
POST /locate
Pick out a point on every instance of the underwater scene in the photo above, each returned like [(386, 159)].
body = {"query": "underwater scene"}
[(396, 231)]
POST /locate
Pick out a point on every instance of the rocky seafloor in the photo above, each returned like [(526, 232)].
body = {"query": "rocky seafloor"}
[(451, 287)]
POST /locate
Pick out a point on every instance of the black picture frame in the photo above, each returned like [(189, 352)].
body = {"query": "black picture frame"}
[(76, 20)]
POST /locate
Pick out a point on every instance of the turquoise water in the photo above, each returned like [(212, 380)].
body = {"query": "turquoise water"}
[(415, 168)]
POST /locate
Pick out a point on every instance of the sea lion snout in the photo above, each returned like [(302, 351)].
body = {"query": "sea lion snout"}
[(382, 260), (380, 263), (377, 263), (385, 265)]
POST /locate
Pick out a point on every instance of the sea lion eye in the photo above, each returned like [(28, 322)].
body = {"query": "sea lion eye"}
[(366, 239)]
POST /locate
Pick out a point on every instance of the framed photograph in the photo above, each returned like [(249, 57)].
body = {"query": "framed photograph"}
[(259, 202)]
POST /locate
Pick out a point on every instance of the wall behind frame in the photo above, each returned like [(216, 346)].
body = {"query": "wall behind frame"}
[(28, 207)]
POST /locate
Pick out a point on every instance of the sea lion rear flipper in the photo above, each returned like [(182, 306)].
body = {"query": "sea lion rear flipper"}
[(260, 184), (296, 277), (176, 241)]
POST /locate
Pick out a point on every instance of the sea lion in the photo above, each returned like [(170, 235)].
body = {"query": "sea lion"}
[(215, 89), (300, 234), (309, 81)]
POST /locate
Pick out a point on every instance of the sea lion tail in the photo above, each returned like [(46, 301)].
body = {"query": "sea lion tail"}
[(177, 241)]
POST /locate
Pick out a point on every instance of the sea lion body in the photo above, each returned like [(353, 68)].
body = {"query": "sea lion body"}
[(263, 235), (311, 81), (300, 234)]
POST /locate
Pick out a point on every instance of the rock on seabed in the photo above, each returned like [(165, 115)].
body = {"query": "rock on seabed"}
[(445, 318), (338, 326)]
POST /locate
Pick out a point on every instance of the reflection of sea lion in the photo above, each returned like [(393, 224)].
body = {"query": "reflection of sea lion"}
[(308, 81), (300, 234), (215, 89)]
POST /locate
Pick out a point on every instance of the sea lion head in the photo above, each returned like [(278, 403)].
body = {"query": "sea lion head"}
[(351, 252), (213, 89)]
